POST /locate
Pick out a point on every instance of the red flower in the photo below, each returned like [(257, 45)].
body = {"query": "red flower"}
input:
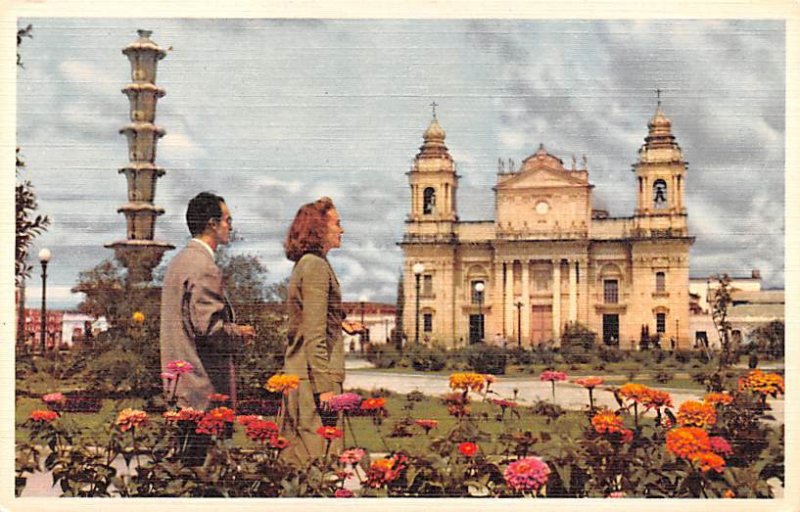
[(218, 398), (189, 414), (247, 418), (261, 431), (330, 433), (213, 422), (278, 442), (343, 493), (179, 367), (468, 449)]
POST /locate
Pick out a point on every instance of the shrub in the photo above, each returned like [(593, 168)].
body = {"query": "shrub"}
[(484, 358), (384, 355), (521, 356), (663, 377), (659, 355), (683, 356), (423, 358), (547, 409), (611, 354)]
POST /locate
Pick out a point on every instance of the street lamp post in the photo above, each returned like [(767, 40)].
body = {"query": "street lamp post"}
[(361, 301), (519, 323), (44, 259), (417, 269), (479, 287)]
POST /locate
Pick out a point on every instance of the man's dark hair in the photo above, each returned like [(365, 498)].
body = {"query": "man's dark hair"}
[(202, 208)]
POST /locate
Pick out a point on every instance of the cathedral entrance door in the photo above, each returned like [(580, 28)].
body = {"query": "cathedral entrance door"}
[(611, 329), (541, 324), (475, 328)]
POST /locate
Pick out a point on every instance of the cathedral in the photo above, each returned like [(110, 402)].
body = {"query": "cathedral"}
[(548, 259)]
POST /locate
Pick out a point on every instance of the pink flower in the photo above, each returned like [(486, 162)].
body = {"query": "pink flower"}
[(168, 376), (616, 494), (527, 474), (720, 445), (343, 493), (552, 376), (179, 367), (54, 398), (348, 402), (352, 456)]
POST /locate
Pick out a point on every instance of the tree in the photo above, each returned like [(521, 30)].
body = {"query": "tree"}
[(28, 226), (720, 299), (769, 339), (398, 318)]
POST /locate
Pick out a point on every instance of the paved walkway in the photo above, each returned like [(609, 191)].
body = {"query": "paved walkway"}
[(529, 390)]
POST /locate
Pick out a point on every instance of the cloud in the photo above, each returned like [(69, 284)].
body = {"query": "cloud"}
[(294, 110)]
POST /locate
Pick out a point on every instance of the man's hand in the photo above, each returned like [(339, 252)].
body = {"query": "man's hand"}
[(248, 332)]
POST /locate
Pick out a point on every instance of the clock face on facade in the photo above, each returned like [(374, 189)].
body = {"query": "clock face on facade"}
[(542, 207)]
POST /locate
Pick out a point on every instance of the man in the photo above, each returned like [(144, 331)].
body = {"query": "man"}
[(197, 321)]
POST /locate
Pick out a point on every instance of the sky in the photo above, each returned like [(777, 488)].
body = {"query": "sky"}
[(272, 114)]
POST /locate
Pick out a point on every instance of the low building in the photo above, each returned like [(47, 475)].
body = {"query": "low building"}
[(368, 322), (751, 307)]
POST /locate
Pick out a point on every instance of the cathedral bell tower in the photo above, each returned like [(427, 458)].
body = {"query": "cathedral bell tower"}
[(433, 182), (660, 175)]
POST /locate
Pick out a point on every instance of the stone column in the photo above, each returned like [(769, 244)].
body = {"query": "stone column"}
[(509, 296), (526, 300), (557, 301), (573, 292), (498, 300)]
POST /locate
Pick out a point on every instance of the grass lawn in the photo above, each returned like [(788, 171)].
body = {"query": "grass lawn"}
[(93, 427)]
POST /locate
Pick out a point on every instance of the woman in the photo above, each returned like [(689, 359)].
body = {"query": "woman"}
[(315, 350)]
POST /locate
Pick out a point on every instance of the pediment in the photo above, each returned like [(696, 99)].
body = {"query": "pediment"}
[(543, 177)]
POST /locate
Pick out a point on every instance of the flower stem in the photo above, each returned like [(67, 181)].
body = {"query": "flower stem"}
[(591, 400)]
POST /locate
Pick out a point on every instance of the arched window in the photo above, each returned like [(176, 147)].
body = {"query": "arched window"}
[(428, 201), (659, 193)]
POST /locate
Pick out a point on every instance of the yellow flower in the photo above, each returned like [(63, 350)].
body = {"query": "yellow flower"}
[(473, 381), (282, 383), (138, 317)]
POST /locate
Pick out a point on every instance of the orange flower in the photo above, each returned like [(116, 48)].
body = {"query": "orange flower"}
[(655, 399), (686, 442), (373, 404), (218, 398), (589, 382), (43, 416), (131, 418), (635, 392), (138, 317), (728, 494), (427, 425), (282, 383), (330, 433), (606, 421), (706, 461), (465, 381), (764, 383), (718, 398), (170, 416), (468, 449), (697, 414)]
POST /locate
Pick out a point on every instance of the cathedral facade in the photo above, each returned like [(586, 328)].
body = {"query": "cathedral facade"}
[(548, 259)]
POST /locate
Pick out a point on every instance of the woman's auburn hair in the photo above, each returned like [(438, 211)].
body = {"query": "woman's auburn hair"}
[(308, 230)]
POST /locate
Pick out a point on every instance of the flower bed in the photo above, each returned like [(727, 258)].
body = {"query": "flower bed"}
[(718, 446)]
